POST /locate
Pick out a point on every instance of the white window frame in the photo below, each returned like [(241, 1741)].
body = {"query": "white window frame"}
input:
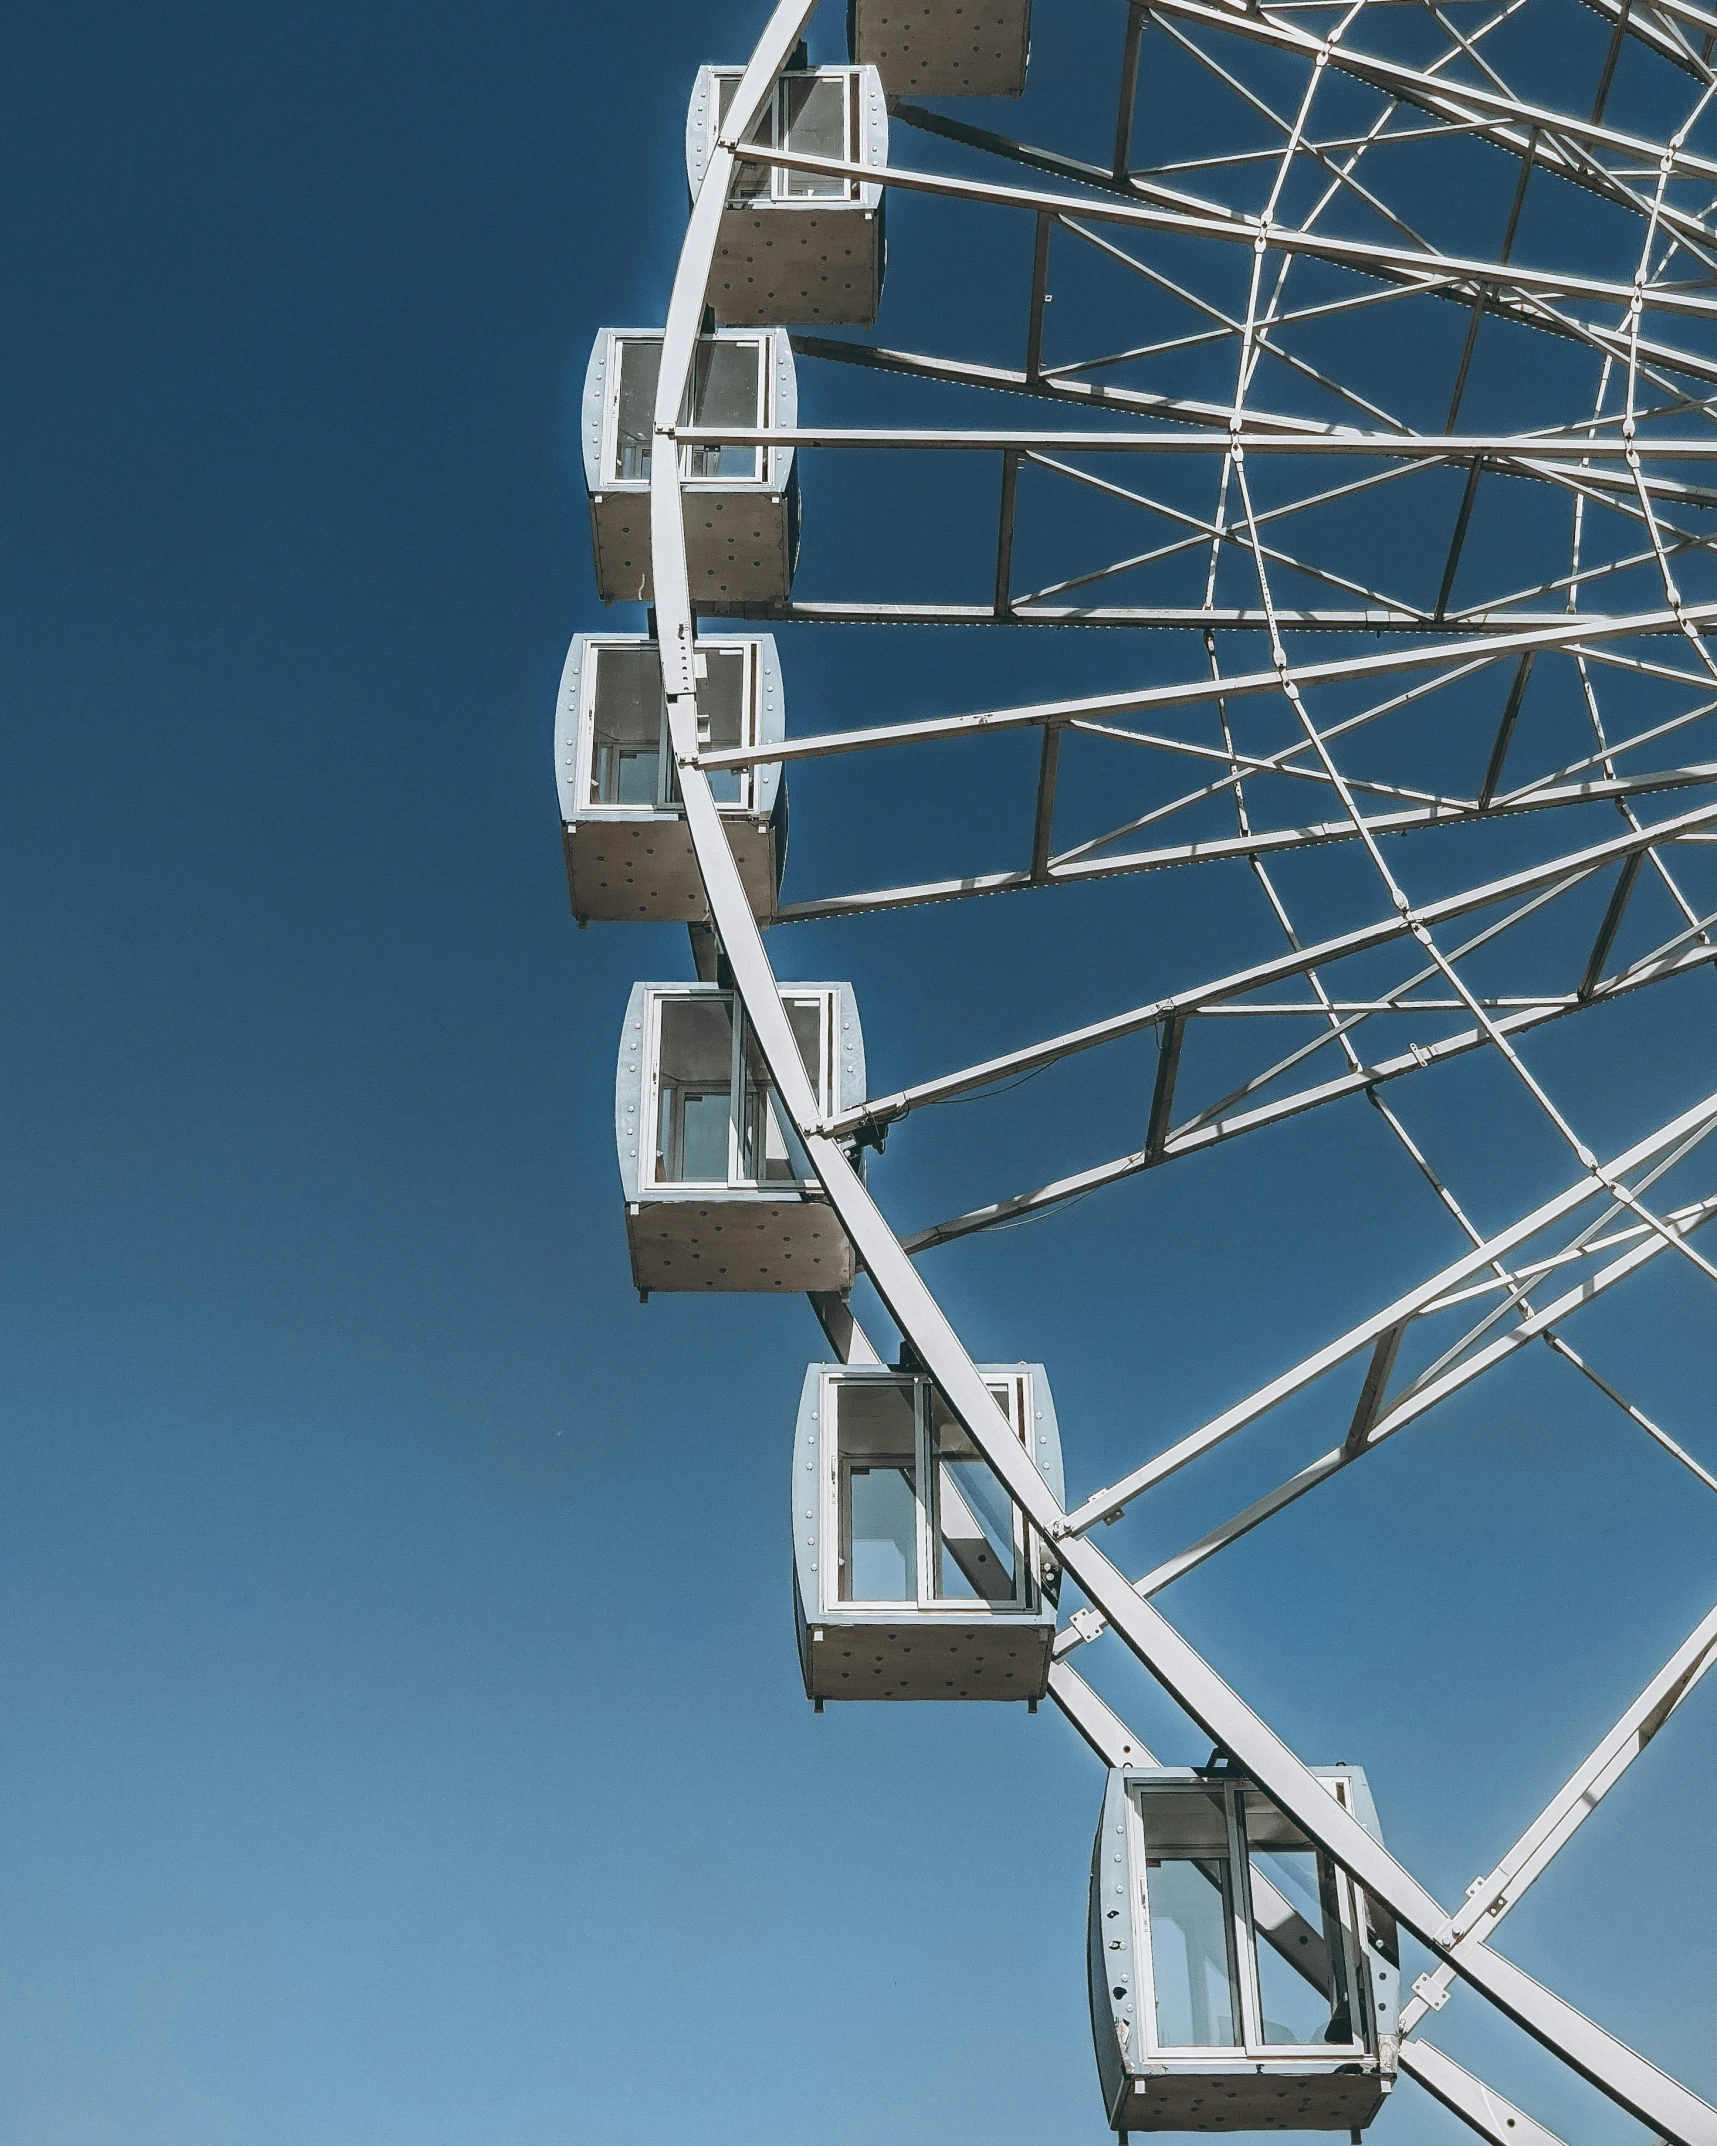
[(1251, 2048), (1013, 1390), (610, 461), (771, 133), (585, 766), (650, 1102)]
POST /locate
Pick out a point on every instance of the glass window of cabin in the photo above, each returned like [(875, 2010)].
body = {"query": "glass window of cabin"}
[(1189, 1920), (814, 121), (726, 389), (1294, 2011), (973, 1518), (630, 759), (808, 1019), (626, 727), (751, 182), (770, 1148), (640, 362), (724, 704), (876, 1469), (694, 1085)]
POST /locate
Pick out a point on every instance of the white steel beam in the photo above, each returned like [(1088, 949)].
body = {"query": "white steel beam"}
[(1657, 27), (1566, 870), (834, 1314), (1502, 448), (1382, 1425), (1229, 618), (963, 372), (1490, 1898), (1574, 635), (1461, 101), (1477, 2105), (1077, 869), (1097, 1722), (1425, 269), (1693, 1125), (1214, 1129)]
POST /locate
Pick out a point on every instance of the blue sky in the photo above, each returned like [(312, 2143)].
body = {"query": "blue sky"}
[(403, 1738)]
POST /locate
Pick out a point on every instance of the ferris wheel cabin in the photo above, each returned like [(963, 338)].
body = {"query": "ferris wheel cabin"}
[(1239, 1980), (719, 1192), (797, 247), (628, 853), (915, 1575), (937, 48), (741, 502)]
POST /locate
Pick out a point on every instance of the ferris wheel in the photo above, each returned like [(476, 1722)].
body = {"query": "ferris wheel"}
[(1394, 492)]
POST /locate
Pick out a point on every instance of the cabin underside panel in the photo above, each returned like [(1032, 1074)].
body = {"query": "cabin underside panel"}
[(1252, 2101), (763, 1245), (738, 547), (983, 1660), (643, 870), (787, 267), (924, 49)]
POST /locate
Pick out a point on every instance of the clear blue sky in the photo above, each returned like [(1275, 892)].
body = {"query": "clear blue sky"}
[(400, 1734)]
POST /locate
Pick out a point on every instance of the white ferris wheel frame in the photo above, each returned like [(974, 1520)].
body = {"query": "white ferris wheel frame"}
[(1627, 1233)]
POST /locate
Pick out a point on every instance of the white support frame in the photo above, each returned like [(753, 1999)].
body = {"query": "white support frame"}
[(1456, 1940)]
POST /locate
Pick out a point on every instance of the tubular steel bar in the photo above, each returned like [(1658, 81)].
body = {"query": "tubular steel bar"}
[(1043, 816), (1500, 447), (964, 372), (1618, 2071), (1071, 871), (1107, 1504), (1231, 618), (1129, 89), (1436, 93), (1574, 634), (1476, 2104), (1227, 1124), (1466, 277), (1490, 1898), (1408, 1409), (1505, 728), (1575, 866)]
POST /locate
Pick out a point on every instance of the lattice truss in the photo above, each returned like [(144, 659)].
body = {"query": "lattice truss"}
[(1411, 459)]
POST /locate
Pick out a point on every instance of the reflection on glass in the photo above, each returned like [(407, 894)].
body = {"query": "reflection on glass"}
[(726, 390), (640, 363), (626, 727), (750, 181), (770, 1148), (876, 1444), (695, 1084), (1190, 1918), (815, 111), (721, 702), (629, 760), (1296, 2011), (974, 1518)]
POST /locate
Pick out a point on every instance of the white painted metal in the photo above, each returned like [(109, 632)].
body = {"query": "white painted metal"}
[(1489, 1899), (1596, 461), (1560, 873)]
